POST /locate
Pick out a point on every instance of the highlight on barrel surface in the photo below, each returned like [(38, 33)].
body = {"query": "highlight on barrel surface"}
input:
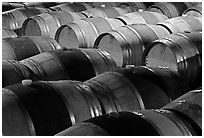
[(82, 33), (182, 24), (170, 9), (46, 24), (19, 48), (74, 64), (144, 17), (71, 7), (146, 122), (59, 105), (106, 12), (6, 32), (189, 106), (14, 19), (194, 11), (127, 43), (181, 52)]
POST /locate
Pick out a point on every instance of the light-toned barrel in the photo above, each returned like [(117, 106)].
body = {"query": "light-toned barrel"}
[(181, 52), (19, 48), (83, 33), (170, 9), (71, 7), (143, 17), (14, 19), (183, 24), (106, 12), (46, 24), (194, 11), (6, 32), (127, 43)]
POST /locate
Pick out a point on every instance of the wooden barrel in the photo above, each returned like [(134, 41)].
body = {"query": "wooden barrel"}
[(135, 6), (194, 11), (147, 123), (182, 24), (189, 106), (82, 33), (170, 9), (59, 105), (106, 12), (6, 6), (103, 4), (19, 48), (41, 4), (74, 64), (181, 52), (127, 43), (14, 19), (6, 32), (46, 24), (137, 89), (144, 17), (71, 7), (13, 72)]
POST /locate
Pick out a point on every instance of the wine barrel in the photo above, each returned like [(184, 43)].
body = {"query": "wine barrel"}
[(46, 24), (170, 9), (13, 72), (41, 4), (103, 4), (60, 104), (71, 7), (137, 89), (14, 19), (182, 24), (181, 52), (135, 6), (6, 32), (144, 17), (194, 11), (106, 12), (189, 106), (127, 43), (74, 64), (19, 48), (6, 6), (147, 123), (82, 33)]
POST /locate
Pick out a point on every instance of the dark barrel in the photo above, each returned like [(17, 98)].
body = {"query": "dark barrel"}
[(189, 106), (71, 7), (143, 17), (41, 4), (170, 9), (46, 108), (127, 43), (194, 11), (182, 52), (46, 24), (13, 72), (19, 48), (74, 64), (82, 33), (138, 123), (182, 24), (106, 12), (14, 19), (6, 6), (137, 88), (6, 32)]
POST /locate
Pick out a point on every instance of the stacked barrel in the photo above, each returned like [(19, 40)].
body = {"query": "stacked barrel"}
[(102, 68)]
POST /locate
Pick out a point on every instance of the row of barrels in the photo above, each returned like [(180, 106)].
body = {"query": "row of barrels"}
[(182, 117), (61, 104), (182, 52), (14, 19)]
